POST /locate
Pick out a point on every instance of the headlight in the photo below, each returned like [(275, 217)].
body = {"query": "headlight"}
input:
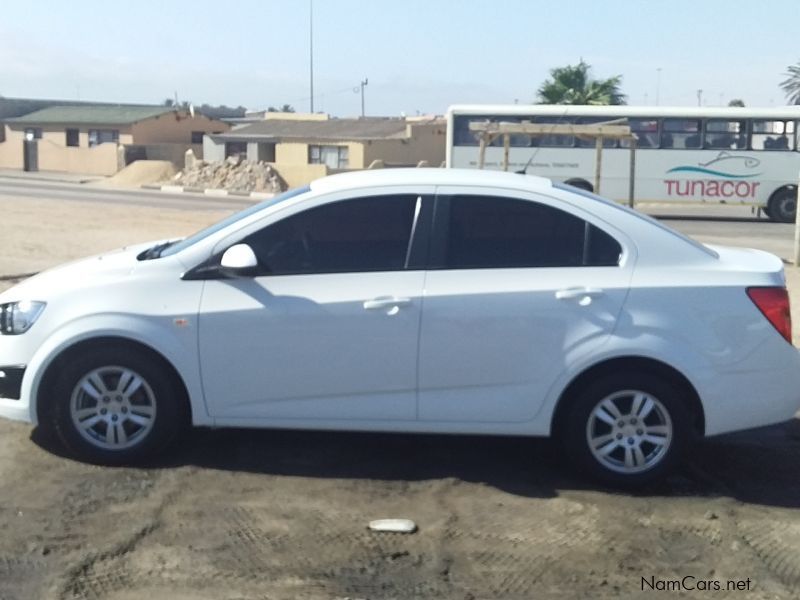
[(18, 317)]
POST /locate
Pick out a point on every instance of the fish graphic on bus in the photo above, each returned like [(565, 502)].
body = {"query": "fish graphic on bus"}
[(727, 165), (732, 159)]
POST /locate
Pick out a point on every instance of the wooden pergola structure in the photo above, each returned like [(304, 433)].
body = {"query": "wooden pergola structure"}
[(617, 129)]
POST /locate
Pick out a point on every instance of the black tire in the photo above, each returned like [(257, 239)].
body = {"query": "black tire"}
[(169, 409), (581, 184), (577, 427), (782, 206)]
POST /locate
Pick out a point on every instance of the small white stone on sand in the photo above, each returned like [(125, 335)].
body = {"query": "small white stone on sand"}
[(393, 525)]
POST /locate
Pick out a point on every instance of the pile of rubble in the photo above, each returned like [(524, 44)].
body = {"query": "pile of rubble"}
[(234, 174)]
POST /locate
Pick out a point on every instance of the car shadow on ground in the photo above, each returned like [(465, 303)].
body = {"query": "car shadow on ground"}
[(758, 467)]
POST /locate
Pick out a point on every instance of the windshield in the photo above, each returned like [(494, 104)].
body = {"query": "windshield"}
[(204, 233)]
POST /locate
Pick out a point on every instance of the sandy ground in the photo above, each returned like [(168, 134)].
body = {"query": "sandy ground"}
[(234, 515)]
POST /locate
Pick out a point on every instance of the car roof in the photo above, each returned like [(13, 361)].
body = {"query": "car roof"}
[(429, 176)]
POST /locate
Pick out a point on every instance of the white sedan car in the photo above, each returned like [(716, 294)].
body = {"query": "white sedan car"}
[(421, 300)]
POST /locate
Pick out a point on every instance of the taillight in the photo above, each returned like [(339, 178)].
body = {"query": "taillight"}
[(773, 302)]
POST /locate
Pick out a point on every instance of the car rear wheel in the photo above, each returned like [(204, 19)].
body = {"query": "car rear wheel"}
[(116, 406), (627, 429)]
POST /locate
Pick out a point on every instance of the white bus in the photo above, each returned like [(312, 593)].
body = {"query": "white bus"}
[(733, 155)]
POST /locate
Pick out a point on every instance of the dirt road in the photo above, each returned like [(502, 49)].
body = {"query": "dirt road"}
[(234, 515)]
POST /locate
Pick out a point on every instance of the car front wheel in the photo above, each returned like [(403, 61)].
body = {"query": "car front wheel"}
[(115, 405), (627, 429)]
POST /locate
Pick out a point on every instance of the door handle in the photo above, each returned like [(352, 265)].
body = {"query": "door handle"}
[(579, 293), (386, 302)]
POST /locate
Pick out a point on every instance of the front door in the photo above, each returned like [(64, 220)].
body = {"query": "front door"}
[(329, 327)]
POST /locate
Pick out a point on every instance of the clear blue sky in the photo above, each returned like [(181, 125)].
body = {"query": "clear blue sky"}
[(419, 55)]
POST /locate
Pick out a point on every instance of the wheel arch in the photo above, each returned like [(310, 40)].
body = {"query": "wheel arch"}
[(638, 364), (52, 369), (580, 183)]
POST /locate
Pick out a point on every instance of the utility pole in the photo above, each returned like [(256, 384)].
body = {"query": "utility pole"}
[(363, 85), (699, 97), (311, 49)]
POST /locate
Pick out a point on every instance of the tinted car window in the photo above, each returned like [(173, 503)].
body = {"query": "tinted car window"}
[(490, 232), (365, 234)]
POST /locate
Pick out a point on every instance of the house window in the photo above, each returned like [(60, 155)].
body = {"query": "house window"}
[(73, 137), (103, 136), (197, 137), (336, 157), (33, 133), (236, 149)]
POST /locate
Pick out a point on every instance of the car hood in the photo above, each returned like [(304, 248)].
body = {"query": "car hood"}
[(108, 266)]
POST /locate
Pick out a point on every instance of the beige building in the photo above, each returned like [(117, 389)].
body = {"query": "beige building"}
[(100, 140), (305, 147)]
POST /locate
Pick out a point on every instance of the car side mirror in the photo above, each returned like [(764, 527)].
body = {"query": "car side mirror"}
[(239, 260)]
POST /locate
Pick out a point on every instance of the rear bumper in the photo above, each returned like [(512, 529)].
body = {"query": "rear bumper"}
[(746, 400)]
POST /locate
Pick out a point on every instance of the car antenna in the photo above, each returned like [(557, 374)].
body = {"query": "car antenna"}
[(524, 170)]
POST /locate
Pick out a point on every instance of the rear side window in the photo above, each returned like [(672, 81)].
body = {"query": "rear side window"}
[(363, 234), (494, 232)]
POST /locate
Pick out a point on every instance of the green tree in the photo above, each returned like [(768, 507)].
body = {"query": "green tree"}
[(286, 108), (791, 85), (573, 85), (736, 102)]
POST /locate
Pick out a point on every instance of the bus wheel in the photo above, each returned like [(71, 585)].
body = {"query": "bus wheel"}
[(581, 184), (782, 205)]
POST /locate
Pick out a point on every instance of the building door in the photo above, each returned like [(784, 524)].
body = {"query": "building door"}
[(30, 155)]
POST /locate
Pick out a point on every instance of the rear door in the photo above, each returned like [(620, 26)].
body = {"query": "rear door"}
[(519, 286)]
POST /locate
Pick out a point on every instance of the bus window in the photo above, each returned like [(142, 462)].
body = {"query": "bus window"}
[(681, 134), (772, 135), (725, 135), (462, 136), (557, 141), (646, 131), (590, 142)]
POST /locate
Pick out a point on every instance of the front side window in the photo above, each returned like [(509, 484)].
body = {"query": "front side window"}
[(103, 136), (364, 234), (491, 232)]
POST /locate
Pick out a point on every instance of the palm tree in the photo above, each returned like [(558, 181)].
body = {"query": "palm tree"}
[(791, 85), (572, 85)]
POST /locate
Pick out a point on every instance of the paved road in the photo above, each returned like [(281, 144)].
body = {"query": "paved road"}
[(23, 188), (728, 225), (734, 225)]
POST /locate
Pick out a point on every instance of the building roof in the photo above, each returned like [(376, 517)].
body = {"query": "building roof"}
[(331, 129), (92, 115)]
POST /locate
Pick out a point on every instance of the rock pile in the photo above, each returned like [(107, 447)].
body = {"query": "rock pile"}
[(232, 174)]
